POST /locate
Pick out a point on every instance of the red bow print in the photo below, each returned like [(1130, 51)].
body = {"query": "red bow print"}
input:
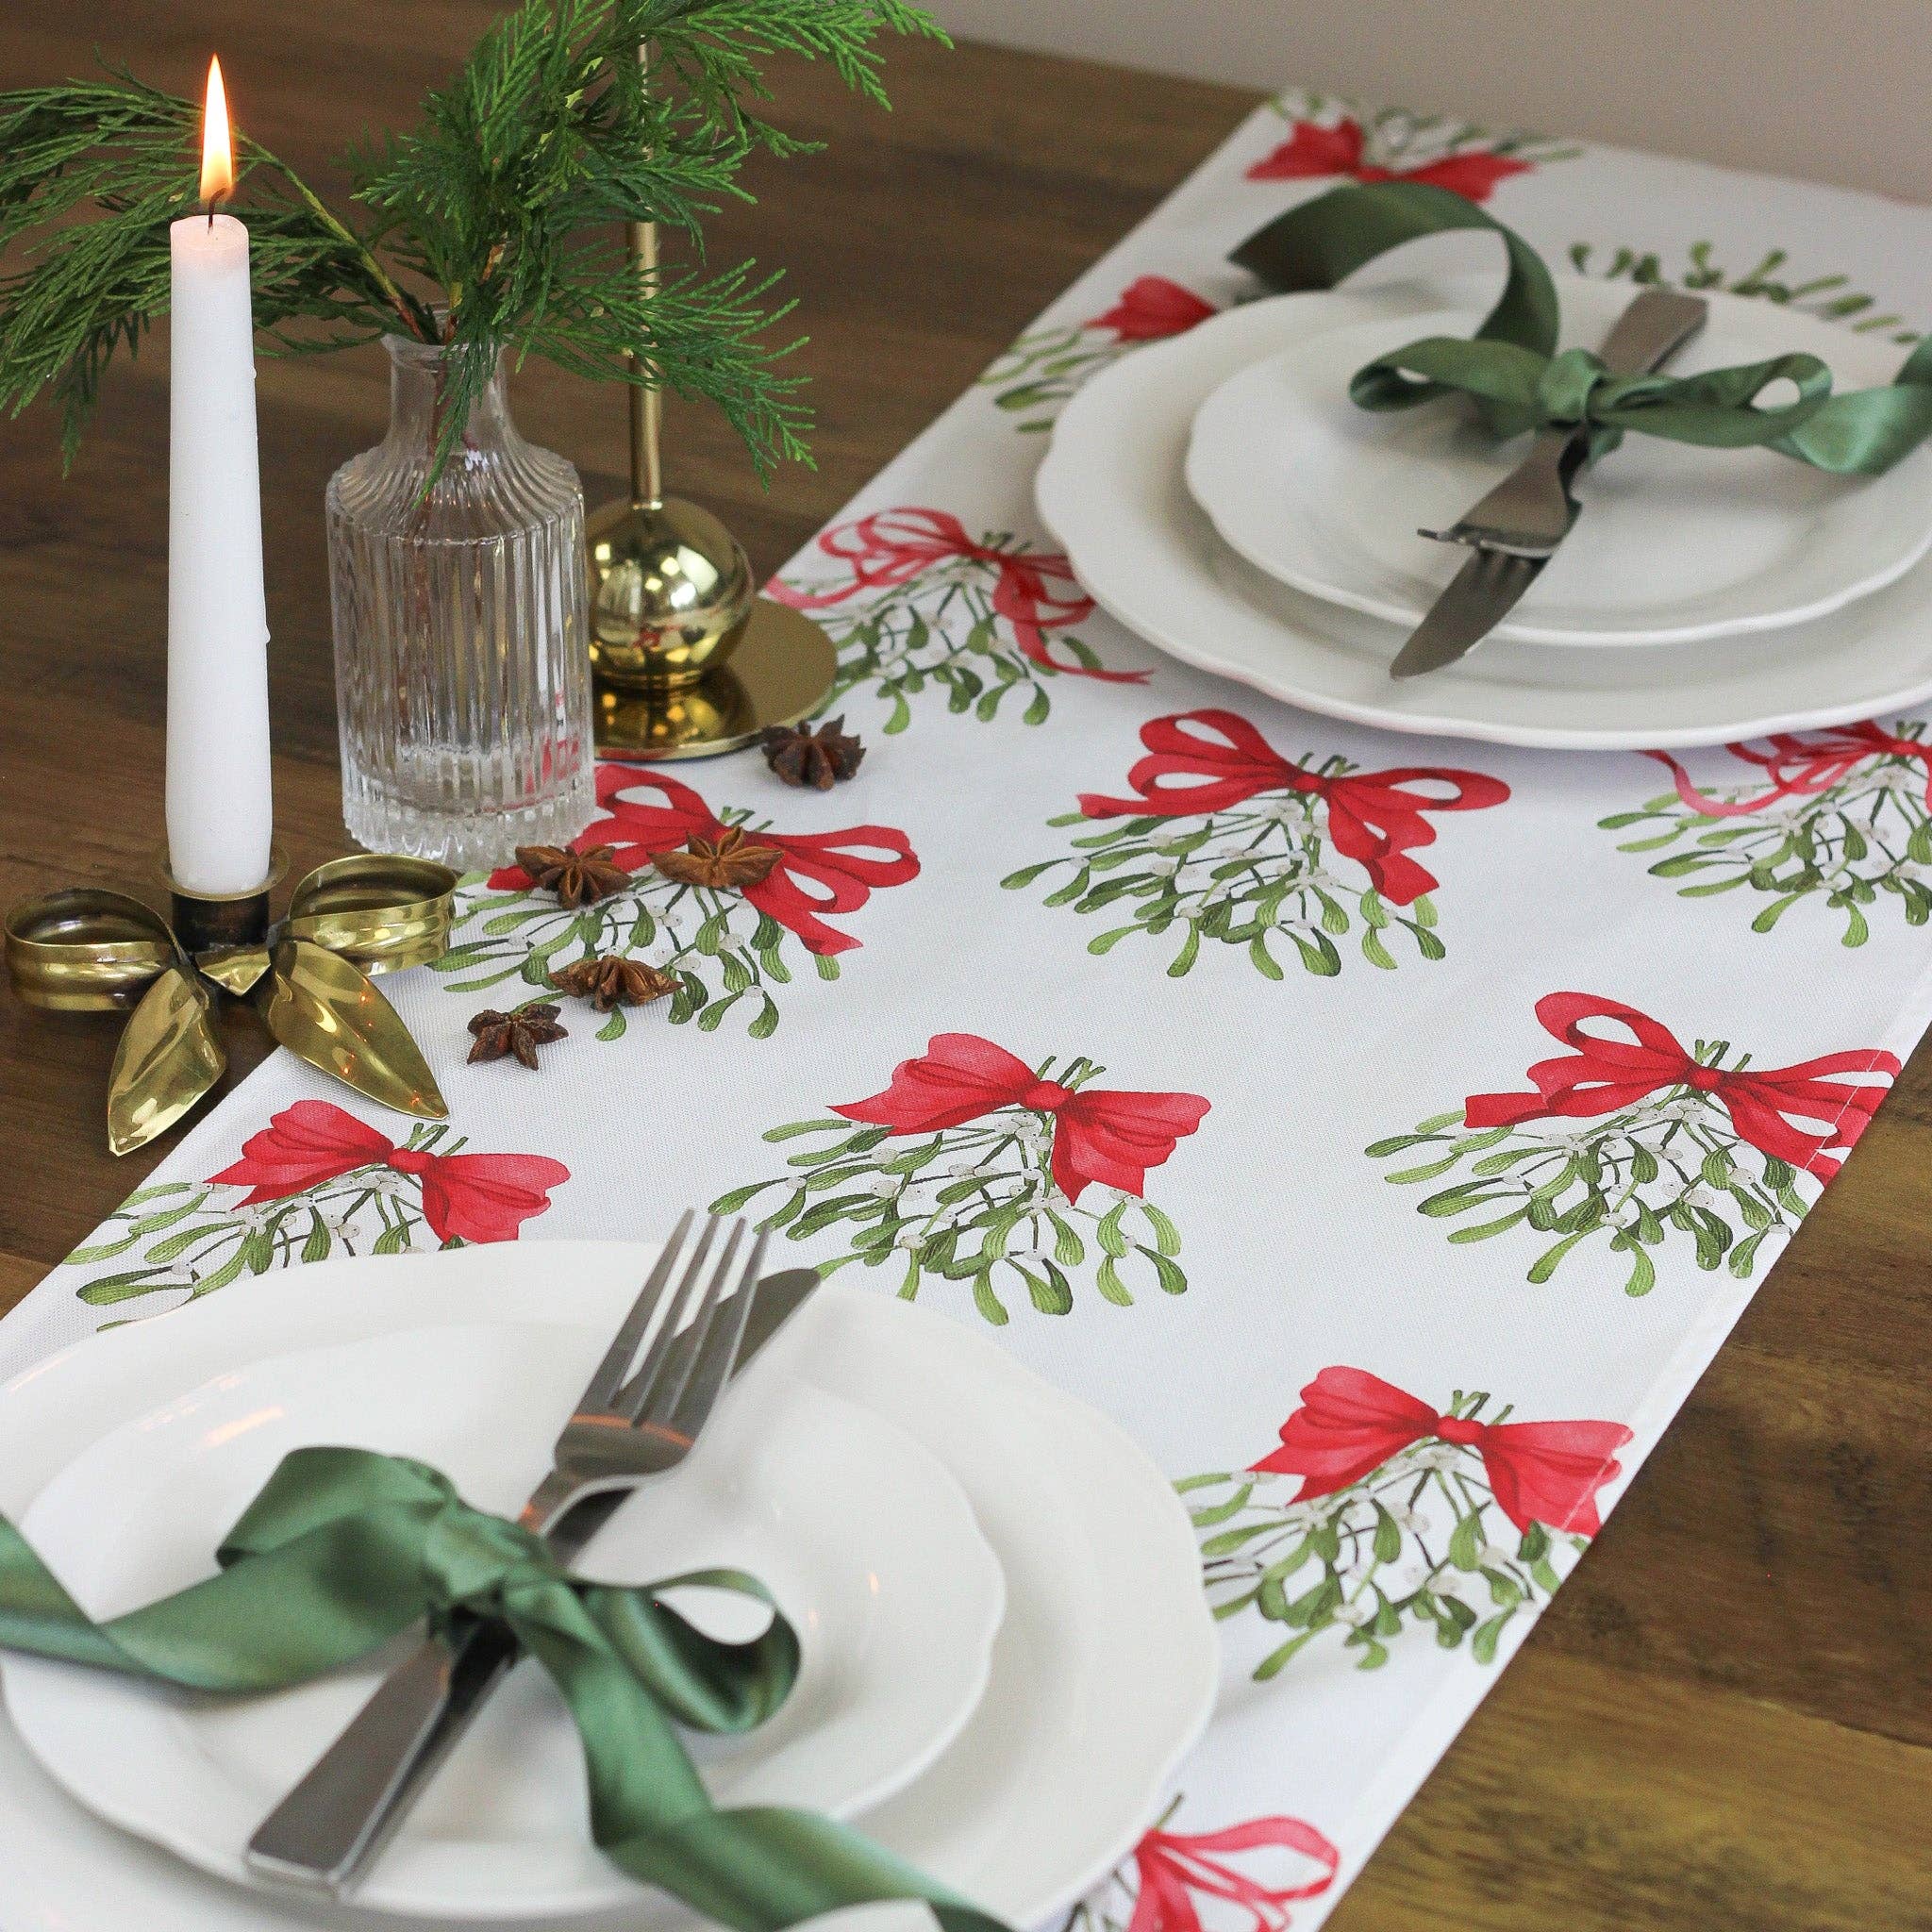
[(481, 1197), (1152, 308), (1351, 1423), (1099, 1134), (820, 873), (1372, 817), (1173, 1867), (1033, 589), (1802, 766), (1602, 1074), (1312, 150)]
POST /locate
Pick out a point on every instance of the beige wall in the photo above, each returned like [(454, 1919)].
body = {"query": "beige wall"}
[(1834, 90)]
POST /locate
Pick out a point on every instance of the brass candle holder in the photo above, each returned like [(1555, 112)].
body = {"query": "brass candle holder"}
[(308, 975), (687, 659)]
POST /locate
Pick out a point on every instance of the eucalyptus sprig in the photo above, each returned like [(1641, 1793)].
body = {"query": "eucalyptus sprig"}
[(492, 225)]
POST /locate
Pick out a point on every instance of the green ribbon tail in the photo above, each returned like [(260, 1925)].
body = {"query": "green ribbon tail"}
[(344, 1549), (1511, 370), (1323, 241)]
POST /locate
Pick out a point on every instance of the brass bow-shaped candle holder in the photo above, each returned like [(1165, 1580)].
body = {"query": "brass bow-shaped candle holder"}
[(308, 975)]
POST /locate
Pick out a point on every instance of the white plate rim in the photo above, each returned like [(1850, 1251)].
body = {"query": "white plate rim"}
[(178, 1899), (1209, 439), (1442, 706), (432, 1882)]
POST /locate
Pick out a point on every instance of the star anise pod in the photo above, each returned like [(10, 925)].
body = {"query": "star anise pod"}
[(727, 864), (613, 981), (801, 755), (578, 878), (519, 1034)]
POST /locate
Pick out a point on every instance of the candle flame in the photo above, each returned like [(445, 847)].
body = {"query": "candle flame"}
[(216, 152)]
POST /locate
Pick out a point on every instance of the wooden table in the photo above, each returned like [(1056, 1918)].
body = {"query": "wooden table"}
[(1726, 1717)]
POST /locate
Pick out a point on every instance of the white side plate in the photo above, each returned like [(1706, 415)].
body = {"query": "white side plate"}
[(1675, 544)]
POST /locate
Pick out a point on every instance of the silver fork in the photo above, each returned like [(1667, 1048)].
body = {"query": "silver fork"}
[(1530, 511), (635, 1419)]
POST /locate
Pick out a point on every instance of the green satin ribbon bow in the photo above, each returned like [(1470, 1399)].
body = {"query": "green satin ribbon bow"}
[(1520, 381), (344, 1549)]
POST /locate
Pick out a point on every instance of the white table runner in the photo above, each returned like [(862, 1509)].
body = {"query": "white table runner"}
[(1227, 1116)]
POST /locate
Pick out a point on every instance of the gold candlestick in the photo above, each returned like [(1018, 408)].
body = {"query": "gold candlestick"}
[(687, 659)]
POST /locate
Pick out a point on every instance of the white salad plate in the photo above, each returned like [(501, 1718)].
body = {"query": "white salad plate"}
[(1111, 489), (1675, 544), (859, 1532), (1103, 1673)]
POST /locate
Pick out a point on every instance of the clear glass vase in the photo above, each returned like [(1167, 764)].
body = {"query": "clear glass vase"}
[(463, 661)]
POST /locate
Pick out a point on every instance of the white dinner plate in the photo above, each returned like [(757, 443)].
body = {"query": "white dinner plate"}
[(1675, 544), (867, 1543), (1054, 1776), (1112, 491)]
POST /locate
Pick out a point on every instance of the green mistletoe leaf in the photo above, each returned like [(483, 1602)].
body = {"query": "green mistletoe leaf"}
[(111, 1289), (1465, 1539), (1169, 1277), (1388, 1539), (1276, 1661), (220, 1278), (318, 1243), (1482, 1645), (1212, 1513)]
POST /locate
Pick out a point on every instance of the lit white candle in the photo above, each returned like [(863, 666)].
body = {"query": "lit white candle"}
[(220, 812)]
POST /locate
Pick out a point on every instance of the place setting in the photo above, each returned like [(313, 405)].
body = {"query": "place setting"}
[(1290, 494), (812, 1528)]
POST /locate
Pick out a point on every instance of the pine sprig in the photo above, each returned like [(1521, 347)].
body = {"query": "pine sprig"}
[(568, 119)]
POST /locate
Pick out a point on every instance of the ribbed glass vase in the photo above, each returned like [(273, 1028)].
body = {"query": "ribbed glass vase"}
[(462, 665)]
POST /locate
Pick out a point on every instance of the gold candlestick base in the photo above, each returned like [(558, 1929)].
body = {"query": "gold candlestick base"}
[(782, 668), (670, 590)]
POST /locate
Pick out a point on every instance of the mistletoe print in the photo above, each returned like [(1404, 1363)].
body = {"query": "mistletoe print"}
[(1401, 1516), (724, 947), (1047, 366), (1243, 1877), (1842, 816), (1634, 1139), (1327, 140), (315, 1182), (1830, 297), (923, 604), (1017, 1178), (1224, 840)]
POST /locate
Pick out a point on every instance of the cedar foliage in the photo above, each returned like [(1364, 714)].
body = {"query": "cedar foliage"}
[(504, 203)]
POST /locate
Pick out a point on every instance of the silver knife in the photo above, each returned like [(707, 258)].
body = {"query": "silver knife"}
[(357, 1796), (1509, 558)]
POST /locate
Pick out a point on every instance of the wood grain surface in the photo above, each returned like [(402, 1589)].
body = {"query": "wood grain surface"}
[(1725, 1719)]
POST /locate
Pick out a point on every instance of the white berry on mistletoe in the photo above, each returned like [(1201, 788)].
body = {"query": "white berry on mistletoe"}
[(1017, 1176)]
